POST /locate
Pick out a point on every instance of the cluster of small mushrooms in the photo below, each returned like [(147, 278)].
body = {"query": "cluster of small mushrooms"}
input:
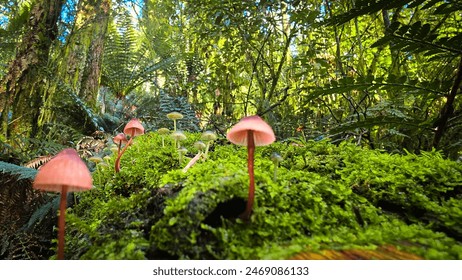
[(66, 172)]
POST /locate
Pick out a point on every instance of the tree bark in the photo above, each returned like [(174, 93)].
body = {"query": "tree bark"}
[(92, 71), (23, 85)]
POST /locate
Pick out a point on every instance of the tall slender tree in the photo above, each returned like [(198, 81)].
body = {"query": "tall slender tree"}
[(24, 84), (92, 71)]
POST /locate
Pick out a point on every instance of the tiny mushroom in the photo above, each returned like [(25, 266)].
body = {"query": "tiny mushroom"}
[(95, 159), (251, 131), (119, 140), (209, 137), (64, 173), (181, 151), (178, 136), (174, 116), (276, 159), (132, 128), (163, 131), (200, 146)]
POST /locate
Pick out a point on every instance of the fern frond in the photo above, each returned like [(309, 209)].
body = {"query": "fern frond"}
[(180, 104), (37, 162), (21, 208), (15, 192), (8, 170), (39, 215), (127, 64), (24, 246)]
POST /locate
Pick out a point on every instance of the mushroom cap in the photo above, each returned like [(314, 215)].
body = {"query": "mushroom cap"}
[(65, 169), (163, 130), (275, 157), (199, 145), (120, 138), (263, 133), (95, 159), (178, 135), (174, 116), (209, 136), (134, 126)]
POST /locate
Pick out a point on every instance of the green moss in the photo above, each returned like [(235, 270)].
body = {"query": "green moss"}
[(326, 197)]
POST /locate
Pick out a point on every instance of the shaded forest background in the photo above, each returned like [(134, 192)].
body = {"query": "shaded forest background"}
[(386, 73)]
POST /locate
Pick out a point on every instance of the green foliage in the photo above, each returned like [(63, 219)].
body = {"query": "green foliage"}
[(21, 237), (362, 7), (126, 64), (420, 38), (326, 197), (66, 112), (23, 173), (14, 18), (378, 73), (179, 104), (20, 150)]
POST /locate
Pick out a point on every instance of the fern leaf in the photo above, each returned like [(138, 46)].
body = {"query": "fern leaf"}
[(39, 214), (37, 162), (23, 173)]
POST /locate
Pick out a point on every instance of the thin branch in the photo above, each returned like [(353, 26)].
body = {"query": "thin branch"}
[(254, 68), (283, 98)]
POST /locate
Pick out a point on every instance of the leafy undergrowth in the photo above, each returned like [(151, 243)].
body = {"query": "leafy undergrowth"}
[(325, 198)]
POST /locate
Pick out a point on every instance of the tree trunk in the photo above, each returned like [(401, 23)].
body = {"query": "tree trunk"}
[(92, 71), (23, 85), (448, 109), (80, 61)]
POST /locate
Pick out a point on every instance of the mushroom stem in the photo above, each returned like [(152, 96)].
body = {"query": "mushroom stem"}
[(118, 150), (250, 159), (119, 156), (192, 161), (275, 172), (180, 158), (62, 222), (174, 125), (206, 150)]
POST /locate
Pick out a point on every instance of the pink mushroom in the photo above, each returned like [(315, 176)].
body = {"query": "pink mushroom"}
[(132, 128), (119, 139), (66, 172), (251, 131)]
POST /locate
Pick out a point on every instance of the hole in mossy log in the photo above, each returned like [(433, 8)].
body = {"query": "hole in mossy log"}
[(230, 209)]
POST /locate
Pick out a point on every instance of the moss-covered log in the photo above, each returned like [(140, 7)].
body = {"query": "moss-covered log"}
[(327, 198)]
